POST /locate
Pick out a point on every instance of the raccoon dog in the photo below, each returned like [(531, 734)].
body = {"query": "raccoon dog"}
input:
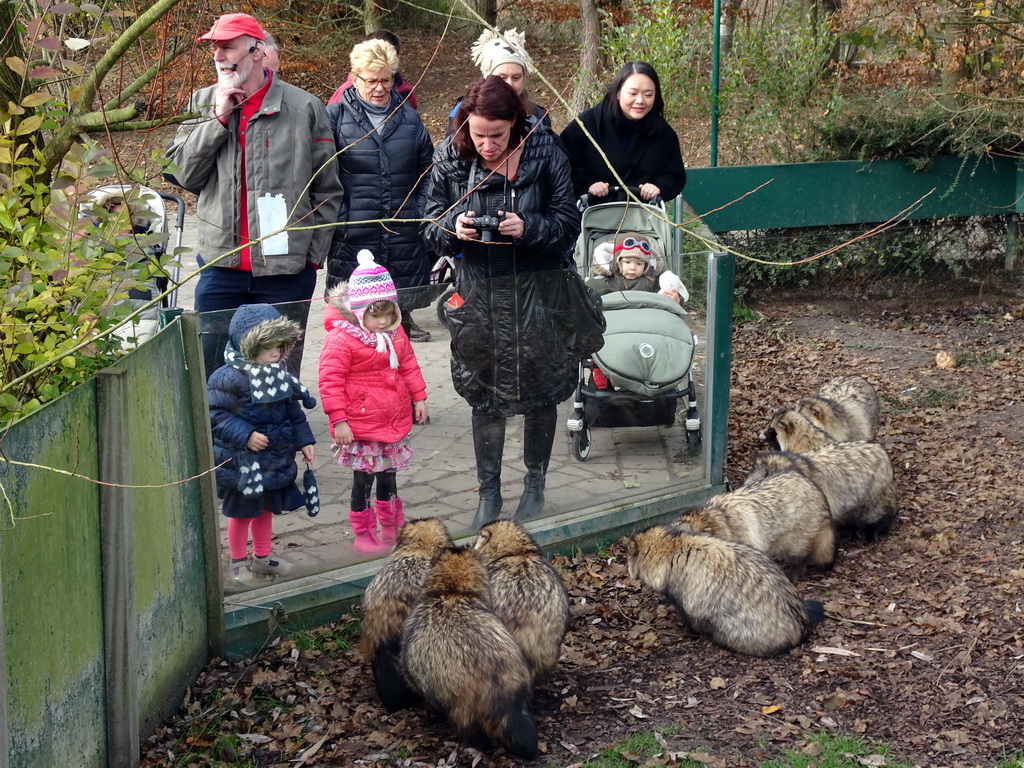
[(464, 661), (793, 430), (526, 592), (783, 515), (846, 407), (728, 592), (389, 599), (856, 478)]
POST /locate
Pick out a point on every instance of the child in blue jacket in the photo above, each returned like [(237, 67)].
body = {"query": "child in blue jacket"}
[(258, 427)]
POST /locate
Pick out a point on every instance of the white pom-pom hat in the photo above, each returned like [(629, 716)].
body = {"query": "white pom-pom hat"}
[(370, 282), (492, 49)]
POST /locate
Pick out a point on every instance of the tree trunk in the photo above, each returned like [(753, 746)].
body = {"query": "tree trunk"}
[(590, 55), (488, 9), (371, 19), (727, 25), (952, 55)]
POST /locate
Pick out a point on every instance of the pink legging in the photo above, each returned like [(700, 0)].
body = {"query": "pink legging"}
[(238, 535)]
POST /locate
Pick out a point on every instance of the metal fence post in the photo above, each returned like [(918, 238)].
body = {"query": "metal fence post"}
[(193, 349), (721, 289)]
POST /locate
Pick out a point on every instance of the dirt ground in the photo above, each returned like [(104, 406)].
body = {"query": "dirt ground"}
[(923, 645)]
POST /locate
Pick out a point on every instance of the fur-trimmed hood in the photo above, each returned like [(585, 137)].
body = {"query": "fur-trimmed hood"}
[(257, 326), (337, 297)]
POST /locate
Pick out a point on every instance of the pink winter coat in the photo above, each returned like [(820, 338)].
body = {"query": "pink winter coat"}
[(357, 383)]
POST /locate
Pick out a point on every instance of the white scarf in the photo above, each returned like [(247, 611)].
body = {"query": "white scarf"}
[(384, 342)]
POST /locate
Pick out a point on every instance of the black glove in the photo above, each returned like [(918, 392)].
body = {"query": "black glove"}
[(312, 493)]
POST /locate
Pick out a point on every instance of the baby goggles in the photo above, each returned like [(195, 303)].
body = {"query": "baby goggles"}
[(630, 243)]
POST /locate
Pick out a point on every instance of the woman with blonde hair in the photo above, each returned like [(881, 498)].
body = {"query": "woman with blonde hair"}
[(384, 154)]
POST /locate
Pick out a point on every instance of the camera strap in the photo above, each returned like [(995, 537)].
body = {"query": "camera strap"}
[(476, 198)]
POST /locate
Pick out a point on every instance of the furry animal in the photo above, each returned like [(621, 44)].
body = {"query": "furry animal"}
[(792, 430), (783, 515), (844, 409), (389, 599), (526, 592), (856, 478), (724, 590), (464, 661)]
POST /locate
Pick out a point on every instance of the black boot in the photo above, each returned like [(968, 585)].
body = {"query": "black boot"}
[(538, 438), (488, 444), (414, 332)]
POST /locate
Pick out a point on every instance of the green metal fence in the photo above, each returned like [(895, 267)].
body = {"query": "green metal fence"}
[(871, 228)]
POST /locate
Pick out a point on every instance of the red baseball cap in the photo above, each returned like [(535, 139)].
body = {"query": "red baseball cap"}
[(232, 25)]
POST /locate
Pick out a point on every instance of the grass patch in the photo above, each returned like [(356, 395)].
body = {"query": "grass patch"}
[(976, 357), (1016, 761), (332, 639), (819, 750), (741, 313), (631, 752), (928, 399), (870, 346), (828, 750)]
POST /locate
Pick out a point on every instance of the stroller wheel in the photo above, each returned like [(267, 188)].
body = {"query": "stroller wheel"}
[(581, 444), (693, 441), (442, 304)]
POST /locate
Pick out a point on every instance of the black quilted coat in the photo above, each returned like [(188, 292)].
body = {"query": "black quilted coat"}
[(234, 417), (508, 355), (384, 173)]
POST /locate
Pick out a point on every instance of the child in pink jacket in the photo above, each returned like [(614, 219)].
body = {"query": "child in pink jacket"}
[(368, 379)]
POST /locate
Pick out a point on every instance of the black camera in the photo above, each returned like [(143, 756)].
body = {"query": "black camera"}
[(487, 226)]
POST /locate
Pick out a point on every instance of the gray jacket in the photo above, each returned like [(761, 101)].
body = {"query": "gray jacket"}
[(289, 151)]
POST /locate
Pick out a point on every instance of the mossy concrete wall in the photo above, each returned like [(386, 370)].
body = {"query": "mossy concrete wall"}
[(62, 592)]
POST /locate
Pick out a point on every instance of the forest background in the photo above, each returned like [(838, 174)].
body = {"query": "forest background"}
[(91, 92)]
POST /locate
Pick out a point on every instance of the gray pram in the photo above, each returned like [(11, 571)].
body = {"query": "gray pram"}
[(648, 348), (147, 216)]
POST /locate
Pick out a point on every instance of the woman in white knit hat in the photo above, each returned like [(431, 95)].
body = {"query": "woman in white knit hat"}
[(504, 54)]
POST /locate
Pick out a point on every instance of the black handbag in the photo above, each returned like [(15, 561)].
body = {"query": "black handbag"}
[(584, 326)]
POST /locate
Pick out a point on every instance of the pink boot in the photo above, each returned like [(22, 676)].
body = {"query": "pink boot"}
[(389, 513), (364, 526)]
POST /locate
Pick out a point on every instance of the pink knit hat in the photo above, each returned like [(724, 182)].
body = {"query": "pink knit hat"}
[(370, 282)]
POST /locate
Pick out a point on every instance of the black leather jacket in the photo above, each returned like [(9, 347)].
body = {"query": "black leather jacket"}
[(507, 353)]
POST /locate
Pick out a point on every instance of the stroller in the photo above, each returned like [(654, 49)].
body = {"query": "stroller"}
[(648, 348), (148, 216)]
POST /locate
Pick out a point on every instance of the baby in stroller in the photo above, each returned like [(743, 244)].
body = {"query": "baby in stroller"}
[(630, 263), (123, 215)]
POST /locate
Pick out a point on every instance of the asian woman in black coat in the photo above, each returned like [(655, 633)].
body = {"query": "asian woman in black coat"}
[(630, 130)]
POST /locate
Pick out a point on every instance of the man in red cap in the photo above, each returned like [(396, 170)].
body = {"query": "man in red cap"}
[(261, 157)]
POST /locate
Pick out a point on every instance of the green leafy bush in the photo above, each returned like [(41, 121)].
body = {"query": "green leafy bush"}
[(63, 278), (904, 122), (776, 85), (834, 261)]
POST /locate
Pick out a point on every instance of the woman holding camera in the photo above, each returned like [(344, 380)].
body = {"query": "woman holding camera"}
[(507, 355)]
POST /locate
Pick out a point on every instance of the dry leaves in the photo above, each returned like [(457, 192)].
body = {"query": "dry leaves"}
[(923, 650)]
